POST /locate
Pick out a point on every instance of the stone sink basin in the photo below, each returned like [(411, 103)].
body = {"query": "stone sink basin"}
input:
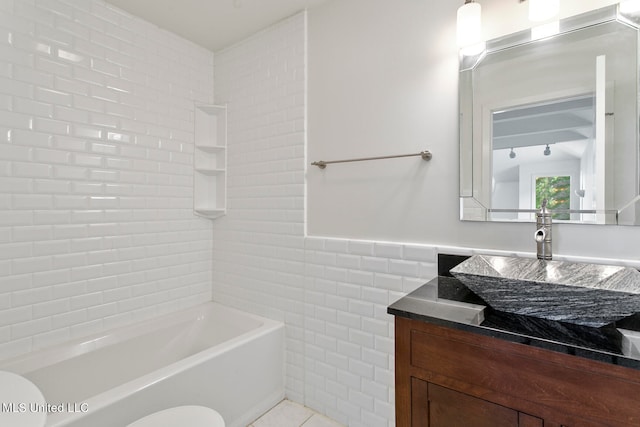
[(585, 294)]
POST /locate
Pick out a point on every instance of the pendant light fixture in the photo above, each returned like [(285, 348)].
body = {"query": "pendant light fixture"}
[(629, 6), (543, 13), (542, 10), (469, 28), (469, 23)]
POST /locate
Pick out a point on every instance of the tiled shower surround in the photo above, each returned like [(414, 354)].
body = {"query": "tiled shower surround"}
[(96, 142)]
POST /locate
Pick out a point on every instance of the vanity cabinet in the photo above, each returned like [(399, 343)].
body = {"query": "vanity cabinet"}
[(449, 377), (210, 161)]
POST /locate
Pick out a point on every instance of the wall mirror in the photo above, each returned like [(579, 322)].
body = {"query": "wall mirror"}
[(554, 117)]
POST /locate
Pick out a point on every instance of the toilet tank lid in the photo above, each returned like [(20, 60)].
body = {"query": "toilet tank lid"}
[(25, 403)]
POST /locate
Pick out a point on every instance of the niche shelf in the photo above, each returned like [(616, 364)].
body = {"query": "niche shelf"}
[(210, 161)]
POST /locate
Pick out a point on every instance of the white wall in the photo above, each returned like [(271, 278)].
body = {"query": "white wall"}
[(96, 125), (383, 80)]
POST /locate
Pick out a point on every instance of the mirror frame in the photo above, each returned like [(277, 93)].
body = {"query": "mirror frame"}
[(472, 173)]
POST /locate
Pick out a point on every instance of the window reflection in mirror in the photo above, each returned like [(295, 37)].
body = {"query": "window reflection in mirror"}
[(557, 191)]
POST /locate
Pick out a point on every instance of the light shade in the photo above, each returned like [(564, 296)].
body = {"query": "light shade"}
[(630, 6), (541, 10), (545, 30), (469, 24)]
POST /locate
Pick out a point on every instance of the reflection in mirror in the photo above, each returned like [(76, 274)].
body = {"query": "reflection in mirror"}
[(553, 118), (539, 152)]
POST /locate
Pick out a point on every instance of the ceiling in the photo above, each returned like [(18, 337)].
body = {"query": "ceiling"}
[(567, 119), (214, 24)]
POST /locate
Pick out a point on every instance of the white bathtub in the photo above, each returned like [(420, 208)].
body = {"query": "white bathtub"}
[(209, 355)]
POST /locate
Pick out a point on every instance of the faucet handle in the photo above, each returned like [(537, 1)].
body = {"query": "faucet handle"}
[(544, 207), (544, 214)]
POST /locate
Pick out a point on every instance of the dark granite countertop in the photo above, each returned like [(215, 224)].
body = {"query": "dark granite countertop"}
[(459, 308)]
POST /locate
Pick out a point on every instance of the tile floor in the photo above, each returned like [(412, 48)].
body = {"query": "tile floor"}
[(291, 414)]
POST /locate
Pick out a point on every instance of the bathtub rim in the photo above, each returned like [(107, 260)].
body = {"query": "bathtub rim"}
[(73, 347), (126, 389)]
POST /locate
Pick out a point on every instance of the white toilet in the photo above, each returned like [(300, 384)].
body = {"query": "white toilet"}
[(192, 416), (23, 404)]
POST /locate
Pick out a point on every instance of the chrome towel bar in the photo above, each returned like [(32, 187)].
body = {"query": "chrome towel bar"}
[(426, 155)]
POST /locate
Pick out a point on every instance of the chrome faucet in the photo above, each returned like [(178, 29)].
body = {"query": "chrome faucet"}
[(543, 232)]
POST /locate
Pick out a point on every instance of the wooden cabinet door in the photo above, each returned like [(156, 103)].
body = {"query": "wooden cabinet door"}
[(436, 406), (449, 408)]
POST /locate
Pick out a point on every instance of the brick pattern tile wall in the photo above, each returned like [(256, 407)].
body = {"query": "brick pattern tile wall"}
[(331, 293), (258, 249), (349, 347), (96, 143)]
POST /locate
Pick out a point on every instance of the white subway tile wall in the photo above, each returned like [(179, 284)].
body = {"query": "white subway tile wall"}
[(331, 293), (96, 142), (349, 347), (258, 247)]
